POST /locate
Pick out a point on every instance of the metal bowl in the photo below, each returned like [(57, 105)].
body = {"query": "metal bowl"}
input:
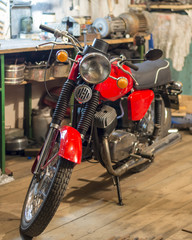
[(16, 144)]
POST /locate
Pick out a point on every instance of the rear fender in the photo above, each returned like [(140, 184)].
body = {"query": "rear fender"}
[(70, 144)]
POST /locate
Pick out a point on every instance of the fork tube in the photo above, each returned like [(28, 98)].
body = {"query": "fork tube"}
[(52, 134), (63, 101), (58, 116), (88, 114)]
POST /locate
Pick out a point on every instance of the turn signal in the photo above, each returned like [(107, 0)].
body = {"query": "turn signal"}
[(62, 55), (122, 82)]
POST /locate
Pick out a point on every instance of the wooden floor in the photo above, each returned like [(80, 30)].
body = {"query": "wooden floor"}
[(157, 202)]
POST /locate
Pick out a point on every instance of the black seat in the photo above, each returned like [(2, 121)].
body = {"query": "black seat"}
[(152, 74)]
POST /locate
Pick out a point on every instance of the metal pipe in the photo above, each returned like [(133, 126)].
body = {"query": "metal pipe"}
[(2, 114), (52, 134), (122, 169), (110, 7)]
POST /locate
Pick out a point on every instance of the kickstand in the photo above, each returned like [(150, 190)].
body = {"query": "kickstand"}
[(117, 184)]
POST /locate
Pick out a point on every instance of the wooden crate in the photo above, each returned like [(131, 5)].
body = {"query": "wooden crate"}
[(185, 106)]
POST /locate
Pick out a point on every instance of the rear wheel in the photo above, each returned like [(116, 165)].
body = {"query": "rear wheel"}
[(165, 125), (44, 196)]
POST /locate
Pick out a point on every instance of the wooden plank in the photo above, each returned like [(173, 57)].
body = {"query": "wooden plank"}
[(17, 190), (184, 174), (109, 221), (162, 6), (185, 233), (27, 45), (22, 183), (123, 40), (180, 235), (126, 222), (89, 209), (136, 199)]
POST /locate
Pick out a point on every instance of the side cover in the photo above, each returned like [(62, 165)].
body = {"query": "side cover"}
[(70, 144), (138, 104)]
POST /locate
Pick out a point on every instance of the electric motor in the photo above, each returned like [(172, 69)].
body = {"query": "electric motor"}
[(129, 23), (113, 27), (135, 22)]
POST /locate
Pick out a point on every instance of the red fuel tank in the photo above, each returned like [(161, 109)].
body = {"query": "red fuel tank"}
[(109, 90)]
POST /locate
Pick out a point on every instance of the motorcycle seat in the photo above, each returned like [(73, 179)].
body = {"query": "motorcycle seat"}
[(152, 74)]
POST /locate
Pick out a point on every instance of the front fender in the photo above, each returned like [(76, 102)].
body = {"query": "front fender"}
[(70, 144)]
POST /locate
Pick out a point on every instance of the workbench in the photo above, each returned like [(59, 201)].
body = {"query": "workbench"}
[(19, 46)]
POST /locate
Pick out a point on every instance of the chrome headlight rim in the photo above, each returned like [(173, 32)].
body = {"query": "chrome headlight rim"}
[(94, 55)]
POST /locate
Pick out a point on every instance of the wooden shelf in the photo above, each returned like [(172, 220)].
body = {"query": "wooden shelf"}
[(20, 45), (123, 40), (173, 7)]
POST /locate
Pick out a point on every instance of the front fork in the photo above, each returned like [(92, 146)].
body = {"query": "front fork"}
[(51, 137), (58, 116), (69, 141)]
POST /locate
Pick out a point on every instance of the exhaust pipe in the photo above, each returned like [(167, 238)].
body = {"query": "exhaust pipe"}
[(144, 156), (123, 168), (161, 144)]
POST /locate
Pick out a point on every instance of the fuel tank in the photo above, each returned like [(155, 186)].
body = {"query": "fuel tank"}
[(109, 90)]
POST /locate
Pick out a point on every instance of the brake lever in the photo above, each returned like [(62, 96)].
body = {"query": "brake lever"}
[(47, 43), (58, 43)]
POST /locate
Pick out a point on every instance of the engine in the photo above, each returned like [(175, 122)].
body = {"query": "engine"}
[(121, 142), (105, 120), (146, 125)]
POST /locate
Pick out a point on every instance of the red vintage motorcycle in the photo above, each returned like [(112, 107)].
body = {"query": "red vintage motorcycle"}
[(120, 117)]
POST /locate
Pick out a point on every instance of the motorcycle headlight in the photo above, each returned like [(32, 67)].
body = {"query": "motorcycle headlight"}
[(94, 68)]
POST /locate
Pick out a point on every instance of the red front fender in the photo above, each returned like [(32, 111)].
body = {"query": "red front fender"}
[(70, 144)]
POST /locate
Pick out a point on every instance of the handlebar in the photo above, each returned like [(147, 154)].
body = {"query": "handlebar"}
[(47, 29), (57, 33)]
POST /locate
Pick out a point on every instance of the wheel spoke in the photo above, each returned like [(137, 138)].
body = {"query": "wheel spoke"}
[(42, 194), (39, 190)]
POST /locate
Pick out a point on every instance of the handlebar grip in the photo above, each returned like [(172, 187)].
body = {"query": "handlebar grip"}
[(46, 28), (131, 65)]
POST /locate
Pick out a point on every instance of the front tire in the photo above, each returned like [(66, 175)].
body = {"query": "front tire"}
[(44, 196)]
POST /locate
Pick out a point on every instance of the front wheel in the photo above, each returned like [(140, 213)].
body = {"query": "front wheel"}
[(44, 196)]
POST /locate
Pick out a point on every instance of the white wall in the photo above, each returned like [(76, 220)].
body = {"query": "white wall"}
[(14, 101), (93, 8), (14, 96)]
